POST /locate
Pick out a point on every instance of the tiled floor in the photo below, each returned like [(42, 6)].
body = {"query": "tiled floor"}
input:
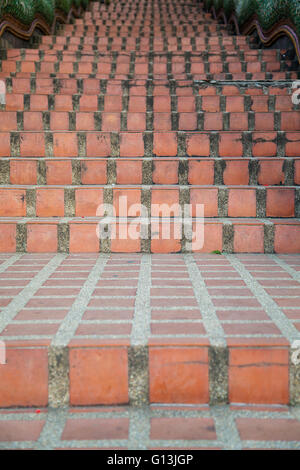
[(152, 428), (92, 329), (226, 298)]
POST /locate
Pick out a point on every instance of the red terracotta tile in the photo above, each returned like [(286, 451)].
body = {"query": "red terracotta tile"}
[(83, 238), (87, 202), (129, 172), (65, 145), (271, 172), (131, 145), (201, 172), (292, 144), (165, 172), (93, 172), (41, 238), (25, 430), (165, 144), (206, 196), (98, 144), (23, 172), (98, 376), (8, 121), (280, 202), (264, 144), (212, 237), (7, 238), (24, 378), (12, 202), (242, 203), (32, 144), (178, 375), (50, 202), (230, 145), (248, 239), (258, 375), (287, 239), (59, 172), (96, 429), (198, 145)]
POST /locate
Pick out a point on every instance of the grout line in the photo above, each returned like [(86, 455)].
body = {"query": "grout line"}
[(50, 436), (139, 428), (211, 322), (294, 274), (226, 429), (142, 314), (269, 305), (71, 321), (20, 300), (11, 260)]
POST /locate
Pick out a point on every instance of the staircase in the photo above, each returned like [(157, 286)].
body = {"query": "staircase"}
[(154, 102), (148, 107)]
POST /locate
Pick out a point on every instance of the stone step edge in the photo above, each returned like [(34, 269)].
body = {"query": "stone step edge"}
[(239, 77), (197, 85), (136, 366), (63, 58)]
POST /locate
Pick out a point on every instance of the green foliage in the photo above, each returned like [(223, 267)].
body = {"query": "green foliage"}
[(269, 12), (26, 10)]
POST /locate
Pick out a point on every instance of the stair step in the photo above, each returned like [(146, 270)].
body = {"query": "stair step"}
[(136, 99), (260, 92), (84, 200), (233, 235), (84, 48), (149, 144), (161, 118), (145, 75), (87, 65), (180, 431), (236, 171), (198, 339)]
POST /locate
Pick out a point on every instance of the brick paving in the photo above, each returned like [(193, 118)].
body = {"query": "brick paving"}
[(95, 296), (155, 427), (181, 328), (243, 295)]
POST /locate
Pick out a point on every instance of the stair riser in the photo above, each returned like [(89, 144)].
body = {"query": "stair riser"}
[(78, 236), (150, 121), (59, 376), (130, 102), (85, 201), (148, 144), (144, 74), (261, 93), (159, 69), (271, 171), (82, 52)]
